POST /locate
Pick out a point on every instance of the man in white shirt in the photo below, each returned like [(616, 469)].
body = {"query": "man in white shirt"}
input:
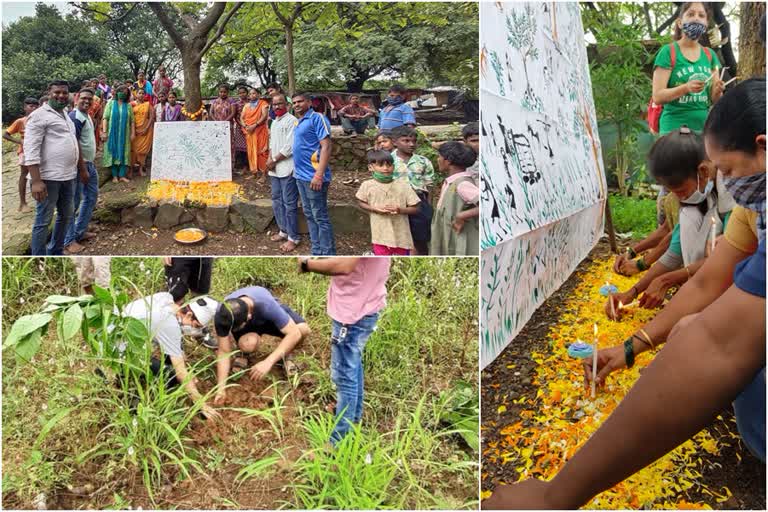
[(165, 321), (285, 194), (51, 153)]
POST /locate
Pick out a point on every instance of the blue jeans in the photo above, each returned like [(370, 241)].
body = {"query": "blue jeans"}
[(357, 125), (750, 415), (285, 197), (315, 204), (347, 344), (59, 198), (89, 194)]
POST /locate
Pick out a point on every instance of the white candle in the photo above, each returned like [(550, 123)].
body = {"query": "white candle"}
[(610, 299), (594, 363), (712, 236)]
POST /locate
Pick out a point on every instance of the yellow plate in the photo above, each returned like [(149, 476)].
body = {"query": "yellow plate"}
[(190, 236)]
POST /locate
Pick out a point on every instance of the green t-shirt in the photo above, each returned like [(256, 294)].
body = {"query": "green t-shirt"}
[(690, 109)]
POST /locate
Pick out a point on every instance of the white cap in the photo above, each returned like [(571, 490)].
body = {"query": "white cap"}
[(204, 308)]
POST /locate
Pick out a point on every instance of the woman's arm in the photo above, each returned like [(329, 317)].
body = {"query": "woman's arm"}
[(662, 94), (263, 116)]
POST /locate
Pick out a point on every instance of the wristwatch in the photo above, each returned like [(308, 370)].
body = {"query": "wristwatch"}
[(304, 264)]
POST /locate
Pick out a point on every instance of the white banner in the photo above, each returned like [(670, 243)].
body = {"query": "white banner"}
[(543, 181), (192, 151)]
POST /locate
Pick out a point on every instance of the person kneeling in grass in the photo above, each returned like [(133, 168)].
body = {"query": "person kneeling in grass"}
[(357, 294), (246, 315), (164, 320), (389, 202)]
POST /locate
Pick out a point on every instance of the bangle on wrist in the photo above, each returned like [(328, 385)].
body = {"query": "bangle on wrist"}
[(641, 264), (629, 353), (647, 339), (631, 253), (688, 271)]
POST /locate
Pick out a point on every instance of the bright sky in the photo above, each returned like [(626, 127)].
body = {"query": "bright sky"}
[(730, 5), (15, 10)]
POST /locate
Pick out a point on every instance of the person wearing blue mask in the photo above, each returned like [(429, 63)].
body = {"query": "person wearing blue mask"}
[(679, 162), (397, 112)]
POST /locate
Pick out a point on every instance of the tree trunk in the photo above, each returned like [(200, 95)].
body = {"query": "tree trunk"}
[(751, 48), (725, 34), (355, 84), (191, 63), (289, 59)]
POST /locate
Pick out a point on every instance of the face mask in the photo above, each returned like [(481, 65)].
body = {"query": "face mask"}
[(397, 100), (694, 29), (697, 196), (122, 96), (253, 102), (382, 178), (188, 330), (748, 191), (57, 105), (280, 112)]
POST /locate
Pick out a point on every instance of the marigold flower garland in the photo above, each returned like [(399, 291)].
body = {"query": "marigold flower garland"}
[(193, 115), (561, 417)]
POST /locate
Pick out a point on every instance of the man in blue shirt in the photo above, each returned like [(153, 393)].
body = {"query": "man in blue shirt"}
[(311, 154), (397, 112)]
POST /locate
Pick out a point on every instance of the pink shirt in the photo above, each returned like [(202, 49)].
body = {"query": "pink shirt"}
[(359, 293), (468, 191)]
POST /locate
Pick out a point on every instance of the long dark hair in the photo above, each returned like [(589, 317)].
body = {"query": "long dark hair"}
[(738, 117), (683, 8)]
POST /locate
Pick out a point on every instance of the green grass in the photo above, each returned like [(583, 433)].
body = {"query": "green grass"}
[(637, 216), (410, 451)]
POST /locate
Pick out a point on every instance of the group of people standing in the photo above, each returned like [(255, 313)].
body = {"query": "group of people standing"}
[(283, 139)]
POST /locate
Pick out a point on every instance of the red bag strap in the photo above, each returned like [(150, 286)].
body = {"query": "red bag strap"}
[(708, 53), (672, 55)]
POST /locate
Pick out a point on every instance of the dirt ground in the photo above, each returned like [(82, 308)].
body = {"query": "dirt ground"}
[(124, 240), (220, 445), (745, 477), (344, 185)]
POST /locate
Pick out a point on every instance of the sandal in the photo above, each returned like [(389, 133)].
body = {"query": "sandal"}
[(289, 246)]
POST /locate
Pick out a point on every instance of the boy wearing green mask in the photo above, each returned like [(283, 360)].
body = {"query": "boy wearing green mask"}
[(390, 201)]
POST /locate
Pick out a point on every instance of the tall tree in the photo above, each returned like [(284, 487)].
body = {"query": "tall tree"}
[(194, 32), (751, 48), (47, 46), (133, 32)]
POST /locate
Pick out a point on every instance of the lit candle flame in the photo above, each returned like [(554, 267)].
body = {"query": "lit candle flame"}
[(620, 305), (595, 326)]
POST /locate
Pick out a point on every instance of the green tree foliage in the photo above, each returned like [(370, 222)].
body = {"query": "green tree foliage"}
[(621, 90), (48, 46), (133, 32), (345, 45)]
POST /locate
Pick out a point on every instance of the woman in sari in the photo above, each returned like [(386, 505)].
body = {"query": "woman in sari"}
[(144, 116), (254, 118), (241, 147), (142, 84), (172, 110), (222, 109), (118, 129)]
